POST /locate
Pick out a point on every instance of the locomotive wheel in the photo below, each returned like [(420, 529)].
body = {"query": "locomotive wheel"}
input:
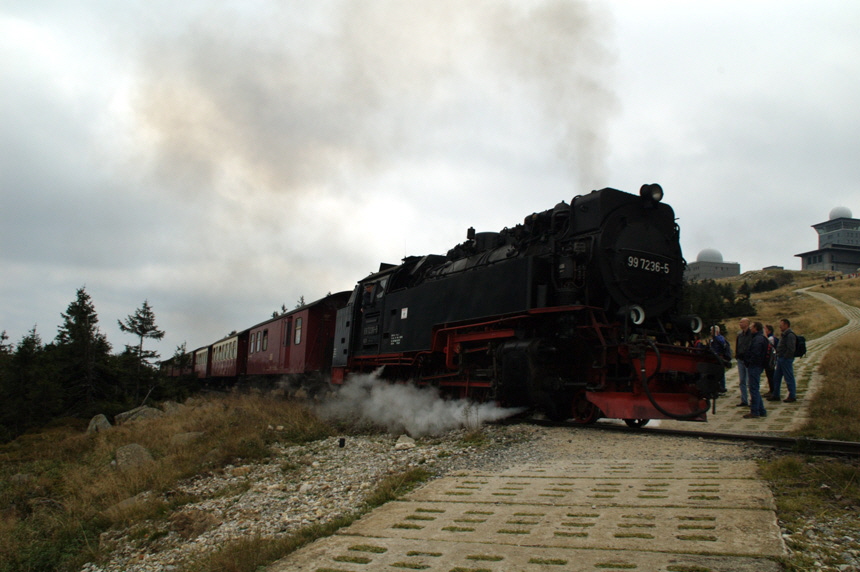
[(636, 423), (584, 411)]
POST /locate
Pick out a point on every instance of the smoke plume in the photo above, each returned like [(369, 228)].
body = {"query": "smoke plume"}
[(296, 101), (418, 411)]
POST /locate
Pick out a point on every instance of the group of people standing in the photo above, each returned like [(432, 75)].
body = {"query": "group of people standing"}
[(758, 350)]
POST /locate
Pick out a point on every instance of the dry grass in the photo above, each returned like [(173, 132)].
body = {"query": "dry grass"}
[(809, 317), (833, 412), (847, 291), (59, 488)]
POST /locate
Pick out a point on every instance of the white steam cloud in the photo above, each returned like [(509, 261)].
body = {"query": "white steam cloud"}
[(418, 411)]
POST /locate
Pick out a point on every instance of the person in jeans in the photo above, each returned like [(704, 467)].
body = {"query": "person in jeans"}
[(756, 357), (785, 363), (742, 345), (718, 346)]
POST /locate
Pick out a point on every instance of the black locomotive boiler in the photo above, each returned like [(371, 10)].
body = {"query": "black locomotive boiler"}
[(574, 311)]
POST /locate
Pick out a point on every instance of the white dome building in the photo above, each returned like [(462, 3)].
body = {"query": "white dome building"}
[(710, 255), (709, 265), (840, 212), (838, 244)]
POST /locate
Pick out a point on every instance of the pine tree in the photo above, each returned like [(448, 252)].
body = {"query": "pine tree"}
[(30, 394), (83, 354), (142, 325)]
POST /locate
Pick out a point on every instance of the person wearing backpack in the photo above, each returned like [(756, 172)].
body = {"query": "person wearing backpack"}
[(720, 346), (785, 363)]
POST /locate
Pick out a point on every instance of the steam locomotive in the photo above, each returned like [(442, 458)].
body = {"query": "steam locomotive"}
[(573, 312)]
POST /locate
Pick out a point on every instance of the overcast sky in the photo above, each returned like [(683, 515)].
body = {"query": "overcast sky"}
[(220, 159)]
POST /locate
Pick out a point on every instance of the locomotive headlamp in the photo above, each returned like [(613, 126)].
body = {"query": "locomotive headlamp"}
[(652, 192), (637, 314)]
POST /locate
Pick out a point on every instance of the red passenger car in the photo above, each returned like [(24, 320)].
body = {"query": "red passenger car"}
[(298, 344), (229, 356), (202, 365)]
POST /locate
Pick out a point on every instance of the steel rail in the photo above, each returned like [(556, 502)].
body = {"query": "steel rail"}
[(803, 445), (800, 445)]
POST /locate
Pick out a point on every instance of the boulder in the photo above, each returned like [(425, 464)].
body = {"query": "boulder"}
[(172, 408), (137, 414), (98, 423), (404, 442), (132, 456)]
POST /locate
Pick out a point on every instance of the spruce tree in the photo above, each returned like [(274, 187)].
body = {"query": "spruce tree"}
[(83, 355), (142, 325), (30, 395)]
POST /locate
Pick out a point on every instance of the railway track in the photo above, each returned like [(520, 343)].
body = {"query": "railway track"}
[(803, 445)]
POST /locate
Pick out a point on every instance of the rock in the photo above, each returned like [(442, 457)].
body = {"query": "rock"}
[(404, 442), (98, 423), (172, 408), (137, 414), (132, 456)]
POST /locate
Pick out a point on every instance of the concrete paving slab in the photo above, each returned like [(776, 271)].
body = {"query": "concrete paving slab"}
[(701, 470), (683, 515), (607, 491), (705, 531), (351, 554)]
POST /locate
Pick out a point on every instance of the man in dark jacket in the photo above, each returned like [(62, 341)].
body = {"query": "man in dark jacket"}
[(718, 345), (756, 357), (785, 363), (741, 347)]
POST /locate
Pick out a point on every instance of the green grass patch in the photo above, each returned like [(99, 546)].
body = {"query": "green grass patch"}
[(513, 531), (368, 548), (548, 561), (352, 559)]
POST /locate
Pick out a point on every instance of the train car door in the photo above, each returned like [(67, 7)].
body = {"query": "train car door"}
[(286, 336)]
